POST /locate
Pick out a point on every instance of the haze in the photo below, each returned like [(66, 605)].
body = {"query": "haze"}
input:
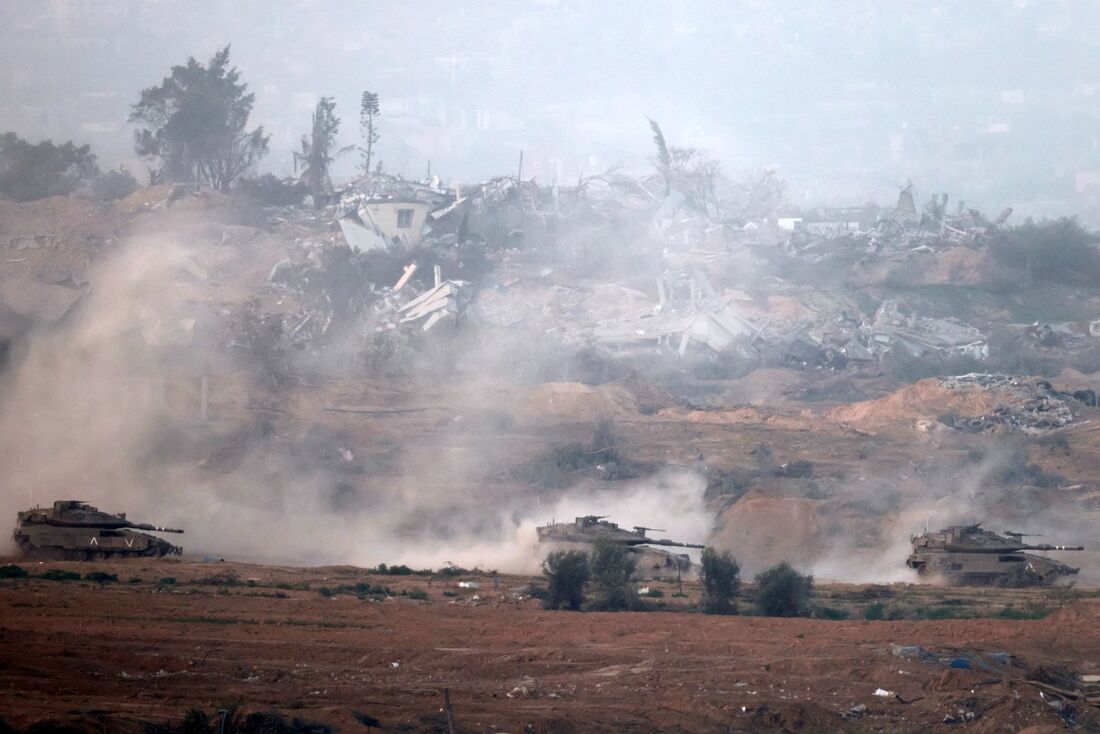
[(994, 102)]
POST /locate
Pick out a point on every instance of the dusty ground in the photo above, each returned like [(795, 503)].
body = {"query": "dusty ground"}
[(265, 638)]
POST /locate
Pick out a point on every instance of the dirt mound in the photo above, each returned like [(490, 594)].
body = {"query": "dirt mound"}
[(648, 398), (764, 530), (763, 386), (58, 221), (143, 199), (776, 308), (976, 402), (958, 266), (574, 401)]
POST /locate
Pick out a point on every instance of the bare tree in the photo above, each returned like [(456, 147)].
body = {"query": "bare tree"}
[(688, 171), (757, 194)]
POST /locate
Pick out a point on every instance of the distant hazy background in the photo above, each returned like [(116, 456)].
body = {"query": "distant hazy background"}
[(997, 103)]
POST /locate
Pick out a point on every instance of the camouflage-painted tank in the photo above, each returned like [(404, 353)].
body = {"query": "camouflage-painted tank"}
[(72, 530), (967, 555), (653, 562)]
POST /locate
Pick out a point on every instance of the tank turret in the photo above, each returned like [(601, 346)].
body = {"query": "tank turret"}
[(75, 530), (968, 555)]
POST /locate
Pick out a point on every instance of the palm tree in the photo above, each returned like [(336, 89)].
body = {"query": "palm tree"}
[(319, 150)]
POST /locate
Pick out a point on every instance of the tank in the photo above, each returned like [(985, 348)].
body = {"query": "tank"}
[(72, 530), (653, 562), (967, 555)]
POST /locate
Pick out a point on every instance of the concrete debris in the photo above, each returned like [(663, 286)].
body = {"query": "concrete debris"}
[(445, 302), (535, 242), (1026, 404), (690, 311), (961, 716), (918, 336), (901, 229), (855, 713)]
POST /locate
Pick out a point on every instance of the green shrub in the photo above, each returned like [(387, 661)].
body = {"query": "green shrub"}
[(731, 484), (566, 573), (875, 611), (833, 613), (1030, 611), (783, 591), (937, 613), (418, 594), (195, 721), (56, 574), (1055, 251), (12, 571), (556, 467), (114, 185), (611, 567), (383, 570), (30, 171), (720, 576), (229, 578), (101, 577), (361, 590), (654, 593), (167, 581)]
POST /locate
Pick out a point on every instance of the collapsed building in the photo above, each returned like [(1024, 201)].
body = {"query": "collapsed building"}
[(702, 284)]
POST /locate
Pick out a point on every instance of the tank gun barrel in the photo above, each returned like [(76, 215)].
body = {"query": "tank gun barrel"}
[(155, 528), (1047, 547), (655, 541)]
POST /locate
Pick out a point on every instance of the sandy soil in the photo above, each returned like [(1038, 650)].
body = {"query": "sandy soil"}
[(115, 656)]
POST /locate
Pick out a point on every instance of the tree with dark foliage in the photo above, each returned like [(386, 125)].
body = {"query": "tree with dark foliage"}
[(566, 573), (368, 127), (30, 171), (319, 150), (783, 591), (612, 567), (719, 575), (1053, 251), (195, 124)]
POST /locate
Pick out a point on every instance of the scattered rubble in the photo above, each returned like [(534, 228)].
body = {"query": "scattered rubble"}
[(971, 402), (1028, 405)]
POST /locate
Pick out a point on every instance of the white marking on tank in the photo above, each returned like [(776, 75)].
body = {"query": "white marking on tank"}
[(130, 543), (94, 541)]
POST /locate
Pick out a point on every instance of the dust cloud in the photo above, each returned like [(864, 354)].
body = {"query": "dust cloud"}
[(79, 409), (948, 495), (89, 414)]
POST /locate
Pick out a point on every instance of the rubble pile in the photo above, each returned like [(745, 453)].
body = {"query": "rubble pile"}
[(918, 335), (1025, 404), (689, 311), (623, 264), (974, 402), (682, 310), (899, 230)]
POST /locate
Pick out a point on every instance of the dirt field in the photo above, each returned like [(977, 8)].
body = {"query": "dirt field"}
[(172, 635)]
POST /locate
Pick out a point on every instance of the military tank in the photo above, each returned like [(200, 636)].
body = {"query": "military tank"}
[(653, 562), (968, 555), (72, 530)]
